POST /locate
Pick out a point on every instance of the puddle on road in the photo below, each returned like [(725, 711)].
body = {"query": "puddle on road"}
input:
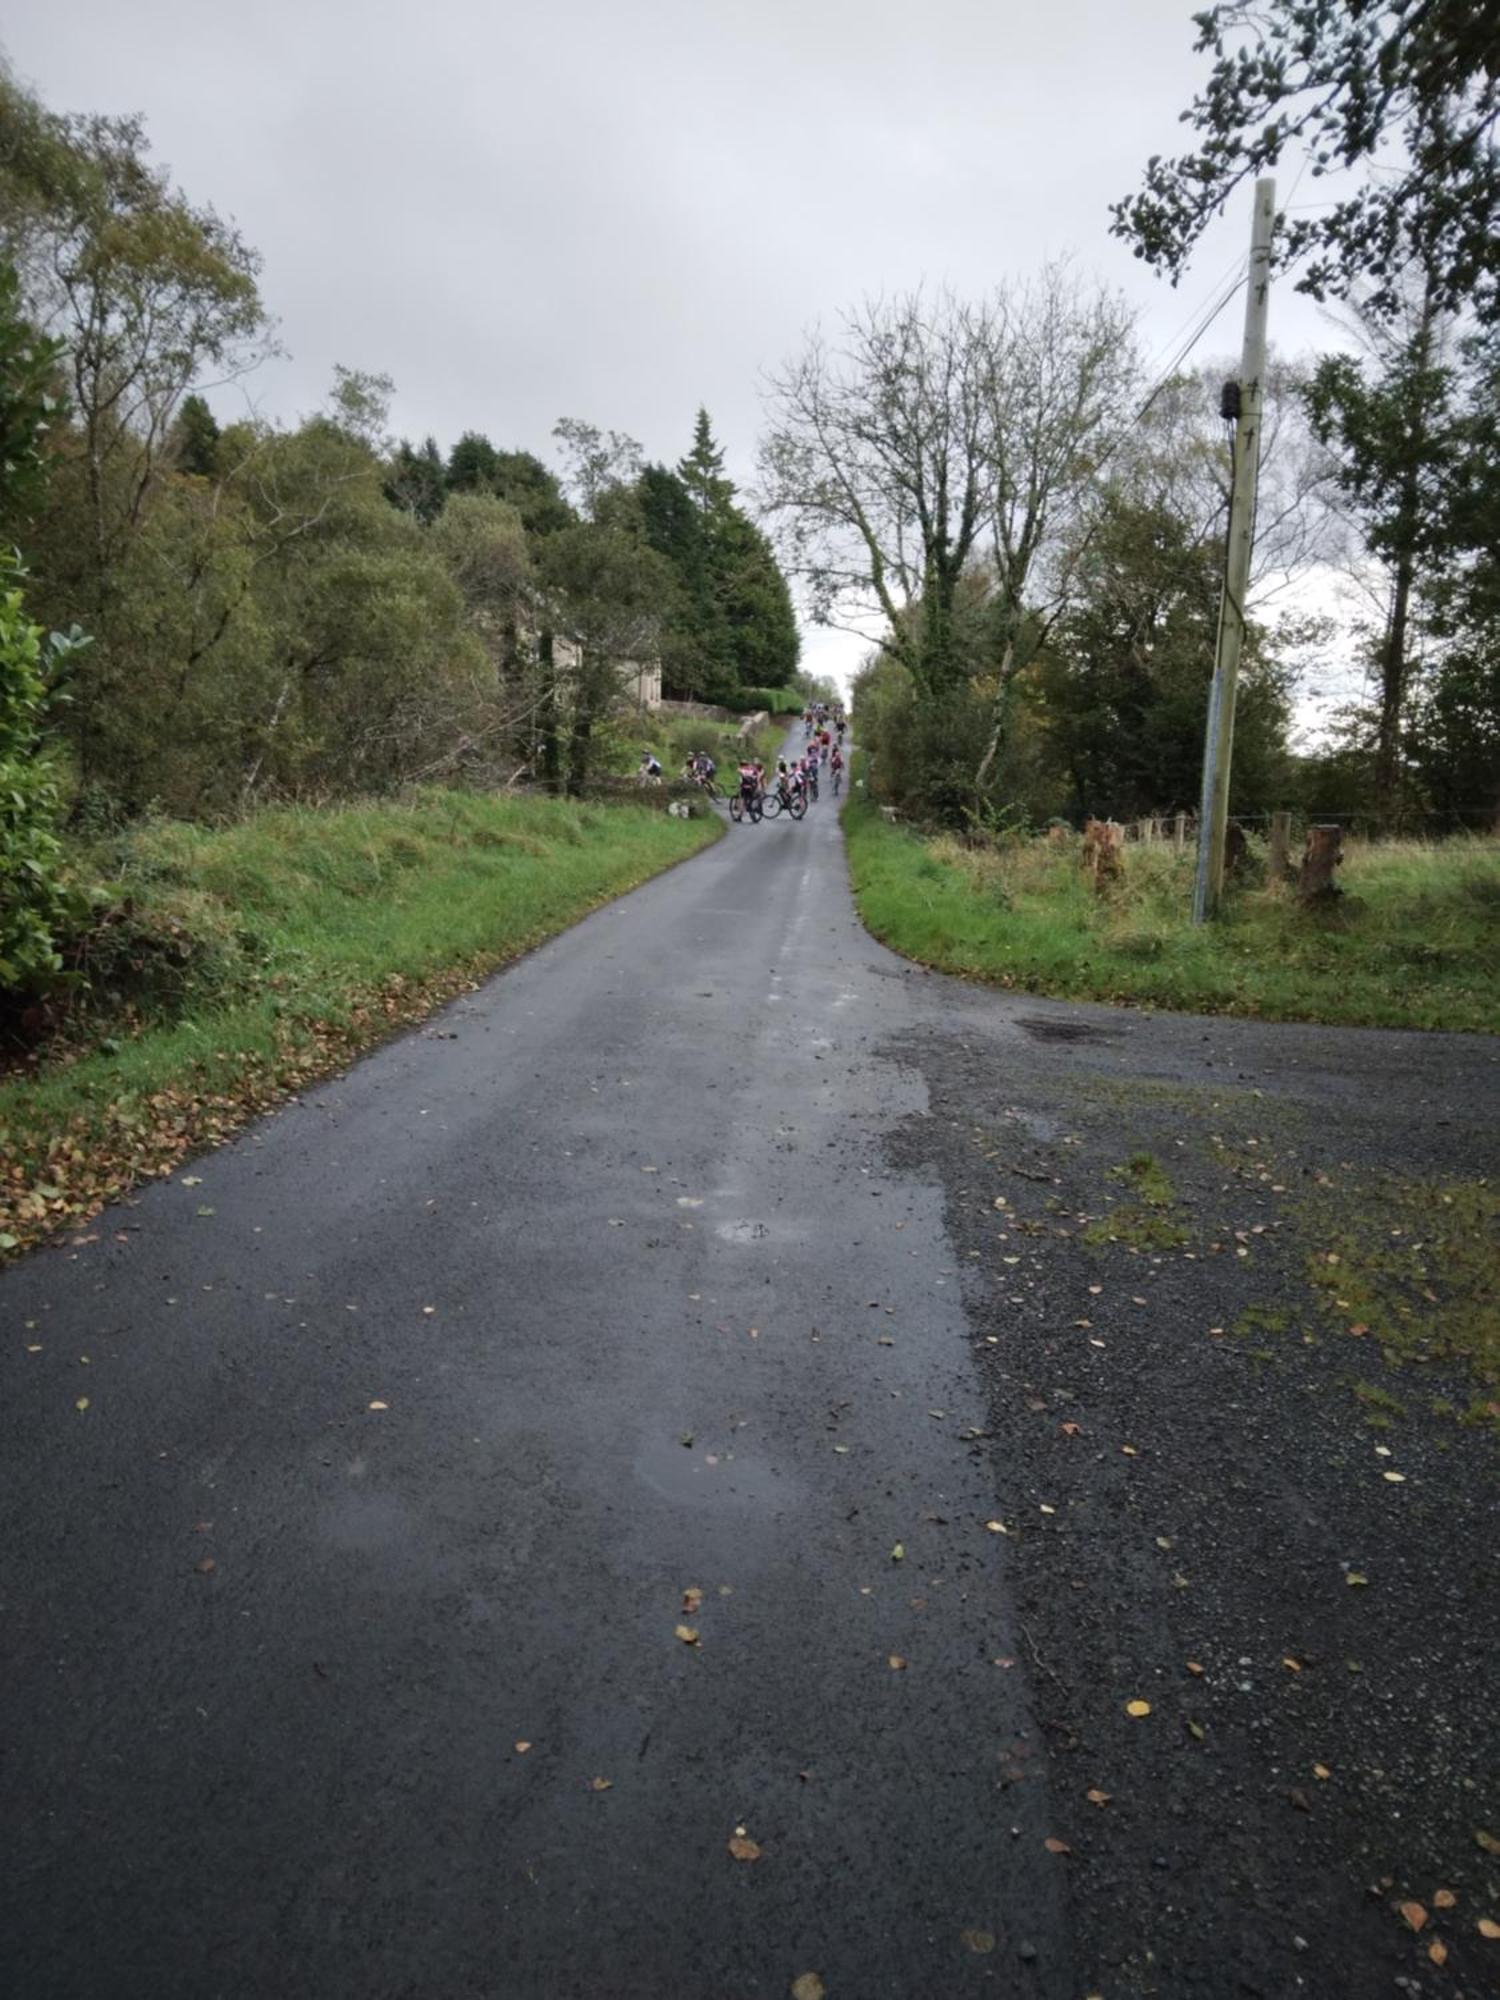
[(683, 1474), (1045, 1028)]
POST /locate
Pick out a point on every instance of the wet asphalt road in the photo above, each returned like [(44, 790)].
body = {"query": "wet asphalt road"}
[(673, 1260), (614, 1244)]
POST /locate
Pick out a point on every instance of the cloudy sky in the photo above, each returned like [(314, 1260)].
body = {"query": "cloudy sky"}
[(620, 209)]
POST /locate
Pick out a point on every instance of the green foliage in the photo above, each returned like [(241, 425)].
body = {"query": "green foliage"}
[(29, 404), (734, 625), (1408, 87), (1123, 681), (417, 481), (195, 439), (1415, 943), (33, 899)]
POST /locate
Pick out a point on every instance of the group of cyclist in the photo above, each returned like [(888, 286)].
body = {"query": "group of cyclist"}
[(791, 788)]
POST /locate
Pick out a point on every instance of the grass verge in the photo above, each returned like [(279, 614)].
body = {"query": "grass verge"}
[(269, 953), (1414, 942)]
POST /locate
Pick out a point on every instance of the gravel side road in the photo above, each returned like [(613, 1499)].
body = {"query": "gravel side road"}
[(615, 1497)]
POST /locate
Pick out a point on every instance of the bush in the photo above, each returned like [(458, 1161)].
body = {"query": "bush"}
[(776, 701), (33, 899)]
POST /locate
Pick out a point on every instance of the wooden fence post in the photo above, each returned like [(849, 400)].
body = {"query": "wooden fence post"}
[(1281, 845), (1179, 831), (1322, 855)]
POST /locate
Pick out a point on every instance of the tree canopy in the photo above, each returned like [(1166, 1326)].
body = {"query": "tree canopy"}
[(1407, 90)]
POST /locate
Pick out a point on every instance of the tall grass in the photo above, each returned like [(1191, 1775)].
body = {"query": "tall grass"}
[(1414, 941)]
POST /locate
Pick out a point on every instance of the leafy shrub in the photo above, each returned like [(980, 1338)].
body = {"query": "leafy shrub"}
[(34, 902)]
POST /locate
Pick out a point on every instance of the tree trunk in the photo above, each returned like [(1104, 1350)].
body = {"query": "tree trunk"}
[(1393, 678), (551, 759)]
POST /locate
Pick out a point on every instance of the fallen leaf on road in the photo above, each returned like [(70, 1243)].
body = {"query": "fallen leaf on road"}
[(1414, 1913), (978, 1941), (1130, 1451), (1356, 1576), (1137, 1708), (1196, 1730), (1395, 1478), (1193, 1667), (808, 1986), (897, 1664), (744, 1849), (205, 1566), (1488, 1928), (380, 1406), (82, 1403), (1055, 1846), (997, 1527), (601, 1784), (692, 1598), (842, 1450), (522, 1747), (1444, 1899), (898, 1553), (1294, 1666), (192, 1180), (1487, 1841), (1437, 1951), (1321, 1771), (688, 1634), (1070, 1430), (1095, 1797)]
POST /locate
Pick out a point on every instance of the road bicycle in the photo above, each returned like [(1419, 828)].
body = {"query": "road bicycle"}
[(743, 807), (774, 804)]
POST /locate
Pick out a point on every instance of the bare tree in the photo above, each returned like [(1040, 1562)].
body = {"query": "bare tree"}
[(942, 437)]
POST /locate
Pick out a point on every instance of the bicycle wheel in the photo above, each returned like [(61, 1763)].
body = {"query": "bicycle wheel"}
[(770, 805), (737, 808), (798, 806)]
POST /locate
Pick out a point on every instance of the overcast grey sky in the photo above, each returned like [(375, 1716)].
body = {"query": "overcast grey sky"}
[(619, 209)]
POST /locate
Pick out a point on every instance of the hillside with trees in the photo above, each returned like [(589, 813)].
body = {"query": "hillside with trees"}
[(307, 611)]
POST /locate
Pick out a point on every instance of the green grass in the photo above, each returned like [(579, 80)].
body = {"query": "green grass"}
[(1413, 943), (259, 955)]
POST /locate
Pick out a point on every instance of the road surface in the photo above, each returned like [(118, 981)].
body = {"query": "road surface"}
[(353, 1636)]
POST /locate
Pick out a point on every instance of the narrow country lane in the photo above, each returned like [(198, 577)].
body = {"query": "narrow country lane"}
[(358, 1480), (613, 1247)]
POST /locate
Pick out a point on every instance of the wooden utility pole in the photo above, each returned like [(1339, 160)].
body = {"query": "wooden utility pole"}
[(1219, 741)]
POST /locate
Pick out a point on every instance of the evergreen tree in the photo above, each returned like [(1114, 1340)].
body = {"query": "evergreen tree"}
[(417, 482), (472, 464), (702, 472), (195, 439)]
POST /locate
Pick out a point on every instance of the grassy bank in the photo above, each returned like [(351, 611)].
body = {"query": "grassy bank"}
[(246, 961), (1414, 942)]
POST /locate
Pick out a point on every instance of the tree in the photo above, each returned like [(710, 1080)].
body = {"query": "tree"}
[(29, 405), (33, 900), (608, 591), (1124, 677), (195, 439), (1392, 423), (144, 291), (1348, 84), (944, 437), (472, 464), (702, 470), (417, 482)]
